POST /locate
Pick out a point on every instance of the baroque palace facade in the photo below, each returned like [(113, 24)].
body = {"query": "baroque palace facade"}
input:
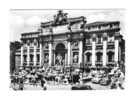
[(72, 42)]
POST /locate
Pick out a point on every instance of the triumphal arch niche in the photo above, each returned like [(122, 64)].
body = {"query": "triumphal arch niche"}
[(64, 38)]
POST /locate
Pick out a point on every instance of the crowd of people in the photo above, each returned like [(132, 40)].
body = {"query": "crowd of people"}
[(40, 77), (33, 77)]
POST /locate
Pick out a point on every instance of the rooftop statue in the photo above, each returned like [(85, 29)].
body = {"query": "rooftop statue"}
[(60, 18)]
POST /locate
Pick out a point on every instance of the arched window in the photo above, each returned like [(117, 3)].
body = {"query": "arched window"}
[(31, 58), (99, 57), (88, 57), (110, 56)]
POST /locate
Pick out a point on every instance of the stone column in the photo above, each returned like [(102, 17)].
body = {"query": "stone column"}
[(93, 49), (116, 48), (104, 50), (80, 51), (119, 54), (54, 58), (35, 56), (65, 59), (40, 54), (50, 53), (69, 53), (85, 58), (22, 56), (28, 54)]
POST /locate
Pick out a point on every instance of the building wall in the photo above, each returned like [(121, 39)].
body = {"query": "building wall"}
[(87, 48), (94, 45)]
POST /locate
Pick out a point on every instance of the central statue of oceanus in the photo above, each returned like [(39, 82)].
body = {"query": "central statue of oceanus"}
[(59, 60)]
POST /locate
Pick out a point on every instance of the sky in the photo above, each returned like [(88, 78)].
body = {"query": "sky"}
[(24, 21)]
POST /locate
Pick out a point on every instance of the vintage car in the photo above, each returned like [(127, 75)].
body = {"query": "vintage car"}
[(105, 81), (87, 78), (81, 87)]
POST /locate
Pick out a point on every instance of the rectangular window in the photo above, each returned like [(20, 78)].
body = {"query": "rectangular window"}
[(88, 41), (25, 58), (99, 39), (110, 38), (38, 57)]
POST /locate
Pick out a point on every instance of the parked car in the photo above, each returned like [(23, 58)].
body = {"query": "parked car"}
[(105, 81), (86, 80), (81, 87)]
